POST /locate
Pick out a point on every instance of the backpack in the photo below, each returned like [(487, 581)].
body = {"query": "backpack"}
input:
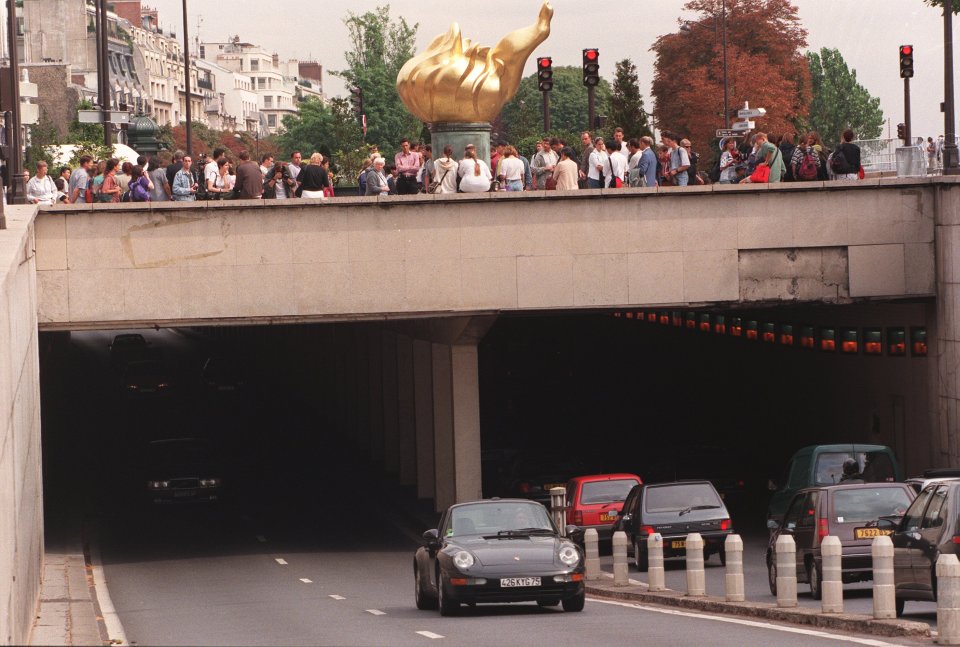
[(809, 165), (838, 163), (126, 196), (714, 173), (138, 192)]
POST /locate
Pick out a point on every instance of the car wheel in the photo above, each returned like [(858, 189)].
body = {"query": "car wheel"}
[(447, 606), (772, 575), (816, 581), (640, 557), (575, 603), (424, 601), (548, 603), (899, 606)]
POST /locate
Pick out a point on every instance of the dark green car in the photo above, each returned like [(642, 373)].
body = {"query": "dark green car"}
[(819, 465)]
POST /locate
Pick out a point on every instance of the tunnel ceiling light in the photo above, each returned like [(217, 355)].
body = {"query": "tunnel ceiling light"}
[(808, 338), (691, 320), (873, 341), (705, 322), (828, 340), (664, 318), (720, 324), (896, 342), (918, 341), (652, 316), (769, 331), (849, 341), (753, 328), (736, 327), (786, 334)]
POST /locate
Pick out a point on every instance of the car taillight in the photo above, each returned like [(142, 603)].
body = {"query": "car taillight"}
[(956, 539), (726, 524), (823, 529), (647, 530), (578, 518), (524, 487)]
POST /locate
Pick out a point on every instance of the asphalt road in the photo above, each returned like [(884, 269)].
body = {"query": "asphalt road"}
[(312, 548)]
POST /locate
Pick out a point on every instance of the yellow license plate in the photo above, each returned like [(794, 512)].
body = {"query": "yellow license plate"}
[(870, 533), (608, 517), (682, 543)]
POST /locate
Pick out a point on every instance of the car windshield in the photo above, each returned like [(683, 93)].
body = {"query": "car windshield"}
[(681, 496), (492, 518), (139, 370), (869, 504), (875, 467), (129, 341), (606, 491), (185, 450)]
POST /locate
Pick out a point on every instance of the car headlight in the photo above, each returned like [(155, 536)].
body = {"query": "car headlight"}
[(463, 559), (158, 485), (209, 482), (569, 555)]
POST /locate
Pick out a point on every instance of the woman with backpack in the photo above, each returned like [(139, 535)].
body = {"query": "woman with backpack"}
[(809, 160), (845, 161), (139, 185), (110, 188)]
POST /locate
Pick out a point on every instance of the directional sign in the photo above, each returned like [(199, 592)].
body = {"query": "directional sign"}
[(722, 132), (744, 125), (751, 112), (96, 117)]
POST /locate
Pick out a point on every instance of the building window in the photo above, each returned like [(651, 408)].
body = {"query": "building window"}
[(272, 121), (254, 64), (268, 102)]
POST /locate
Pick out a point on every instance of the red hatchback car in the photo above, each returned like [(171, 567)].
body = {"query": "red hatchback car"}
[(596, 501)]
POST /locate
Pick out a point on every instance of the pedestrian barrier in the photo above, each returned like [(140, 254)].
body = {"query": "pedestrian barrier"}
[(558, 507), (656, 579), (696, 579), (884, 591), (948, 600), (733, 549), (591, 546), (620, 568), (831, 585), (786, 571)]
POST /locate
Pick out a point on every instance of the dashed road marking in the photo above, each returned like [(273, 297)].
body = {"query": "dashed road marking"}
[(376, 612), (306, 580), (261, 539), (429, 634), (337, 597), (281, 561)]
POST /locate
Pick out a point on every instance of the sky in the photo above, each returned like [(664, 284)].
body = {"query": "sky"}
[(868, 40)]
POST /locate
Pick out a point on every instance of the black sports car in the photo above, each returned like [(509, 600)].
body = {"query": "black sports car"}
[(497, 550)]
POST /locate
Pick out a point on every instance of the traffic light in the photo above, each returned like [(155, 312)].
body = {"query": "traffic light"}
[(356, 98), (545, 73), (591, 67), (901, 131), (906, 61)]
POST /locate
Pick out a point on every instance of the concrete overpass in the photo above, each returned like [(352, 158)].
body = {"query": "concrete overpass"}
[(433, 272)]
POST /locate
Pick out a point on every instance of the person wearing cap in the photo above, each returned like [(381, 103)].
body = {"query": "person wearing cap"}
[(729, 159)]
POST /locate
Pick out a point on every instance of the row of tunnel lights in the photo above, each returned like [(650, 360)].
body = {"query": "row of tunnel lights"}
[(827, 339)]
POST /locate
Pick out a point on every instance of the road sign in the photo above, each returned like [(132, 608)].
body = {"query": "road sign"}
[(751, 112), (744, 125), (722, 132), (96, 116)]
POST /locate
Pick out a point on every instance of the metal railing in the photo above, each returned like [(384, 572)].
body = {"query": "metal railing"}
[(879, 155)]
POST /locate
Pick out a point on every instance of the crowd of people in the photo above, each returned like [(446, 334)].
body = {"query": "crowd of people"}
[(600, 163), (175, 177)]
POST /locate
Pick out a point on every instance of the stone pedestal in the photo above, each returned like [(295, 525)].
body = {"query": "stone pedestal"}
[(458, 135)]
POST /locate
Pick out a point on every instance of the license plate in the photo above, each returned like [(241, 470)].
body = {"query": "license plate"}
[(512, 582), (609, 516), (679, 543), (870, 533), (184, 493), (226, 388)]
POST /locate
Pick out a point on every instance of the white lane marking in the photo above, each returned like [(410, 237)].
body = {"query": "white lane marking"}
[(306, 581), (751, 623), (337, 597), (429, 634), (110, 617), (376, 612), (281, 561), (261, 539)]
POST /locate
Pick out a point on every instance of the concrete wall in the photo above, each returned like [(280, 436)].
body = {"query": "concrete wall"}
[(304, 260), (21, 505)]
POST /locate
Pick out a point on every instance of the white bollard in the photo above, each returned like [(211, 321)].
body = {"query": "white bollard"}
[(656, 580), (948, 600), (884, 591), (696, 580), (832, 586), (620, 568), (733, 548), (786, 571), (558, 507), (591, 545)]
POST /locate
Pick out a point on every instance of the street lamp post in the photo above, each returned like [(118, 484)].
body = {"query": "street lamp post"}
[(951, 159), (14, 142), (726, 90), (186, 80)]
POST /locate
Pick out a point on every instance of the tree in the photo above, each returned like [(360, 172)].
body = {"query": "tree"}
[(939, 3), (839, 101), (626, 102), (380, 48), (522, 117), (765, 67), (42, 135), (321, 127), (78, 132)]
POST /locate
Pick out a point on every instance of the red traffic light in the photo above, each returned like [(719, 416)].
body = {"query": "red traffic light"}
[(906, 50), (545, 62), (591, 54)]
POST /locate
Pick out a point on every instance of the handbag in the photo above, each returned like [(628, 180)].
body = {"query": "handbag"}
[(436, 184), (761, 175), (550, 184)]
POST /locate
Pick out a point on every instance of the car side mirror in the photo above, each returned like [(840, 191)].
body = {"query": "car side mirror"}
[(772, 524), (432, 537), (888, 522), (627, 517), (574, 533)]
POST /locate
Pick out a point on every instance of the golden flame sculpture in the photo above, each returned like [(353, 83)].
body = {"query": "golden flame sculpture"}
[(455, 80)]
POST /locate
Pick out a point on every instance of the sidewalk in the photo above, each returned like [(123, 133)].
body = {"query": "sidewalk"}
[(68, 612), (637, 592)]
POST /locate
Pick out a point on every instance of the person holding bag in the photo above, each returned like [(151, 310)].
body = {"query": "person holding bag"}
[(771, 169)]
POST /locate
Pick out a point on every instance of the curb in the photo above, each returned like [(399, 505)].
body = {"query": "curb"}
[(850, 622)]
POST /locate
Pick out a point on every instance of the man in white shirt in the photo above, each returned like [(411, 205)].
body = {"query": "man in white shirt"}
[(619, 142), (211, 171), (41, 189), (616, 167), (294, 165), (266, 165)]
